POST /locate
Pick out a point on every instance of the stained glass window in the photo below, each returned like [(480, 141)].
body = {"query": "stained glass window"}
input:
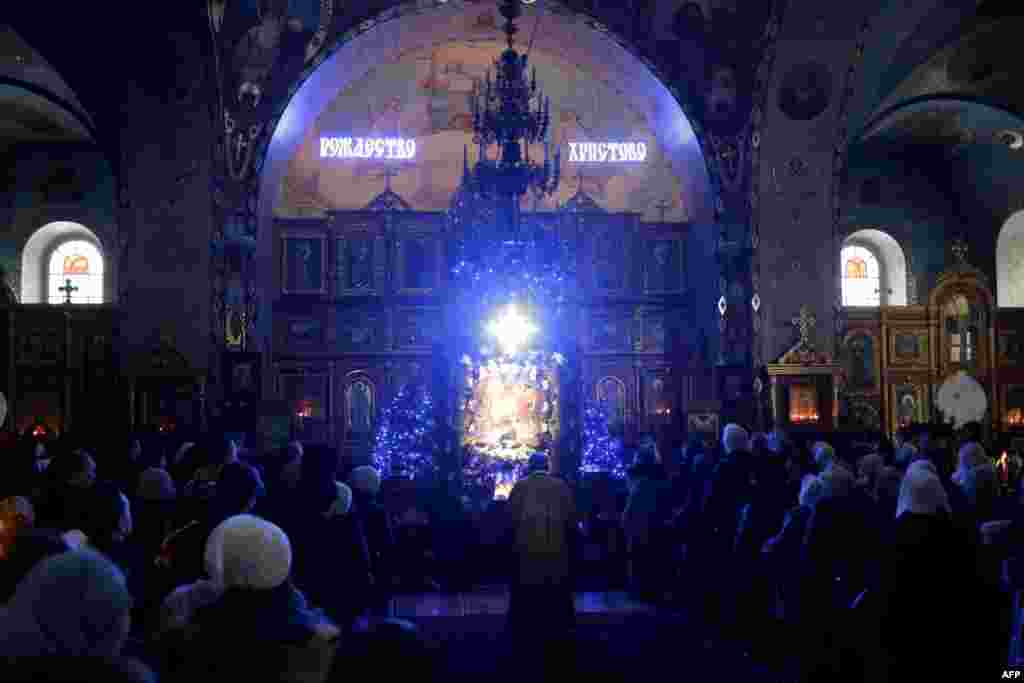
[(862, 283), (80, 263)]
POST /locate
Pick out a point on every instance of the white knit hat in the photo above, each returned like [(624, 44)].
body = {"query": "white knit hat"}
[(245, 551)]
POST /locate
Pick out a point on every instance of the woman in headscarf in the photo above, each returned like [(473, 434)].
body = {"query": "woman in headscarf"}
[(154, 508), (784, 553), (249, 560), (365, 484), (75, 604), (341, 581), (914, 608)]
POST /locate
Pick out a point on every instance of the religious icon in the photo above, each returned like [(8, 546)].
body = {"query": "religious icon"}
[(303, 265), (234, 328), (359, 400), (608, 270), (360, 264), (76, 265), (607, 335), (805, 91), (962, 330), (306, 330), (280, 33), (908, 347), (723, 94), (663, 266), (907, 409), (416, 264), (656, 337), (243, 378), (861, 362), (689, 22)]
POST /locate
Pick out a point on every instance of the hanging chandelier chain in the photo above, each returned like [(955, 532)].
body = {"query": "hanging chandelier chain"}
[(511, 112)]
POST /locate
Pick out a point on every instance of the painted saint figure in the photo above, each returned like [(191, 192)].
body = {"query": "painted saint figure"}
[(360, 265), (360, 408)]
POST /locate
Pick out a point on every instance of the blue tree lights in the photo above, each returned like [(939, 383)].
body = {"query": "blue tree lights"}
[(406, 445)]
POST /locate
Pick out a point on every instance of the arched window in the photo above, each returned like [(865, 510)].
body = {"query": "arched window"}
[(62, 251), (75, 267), (1010, 263), (874, 270), (862, 279)]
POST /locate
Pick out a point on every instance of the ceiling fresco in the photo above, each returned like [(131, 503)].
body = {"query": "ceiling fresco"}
[(425, 94)]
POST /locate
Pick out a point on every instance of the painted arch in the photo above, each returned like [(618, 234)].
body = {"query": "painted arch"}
[(410, 27)]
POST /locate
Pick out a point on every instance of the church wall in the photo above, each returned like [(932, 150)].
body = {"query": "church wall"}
[(165, 218)]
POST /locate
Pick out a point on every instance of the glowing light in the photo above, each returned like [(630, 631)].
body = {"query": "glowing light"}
[(607, 152), (367, 148), (512, 330)]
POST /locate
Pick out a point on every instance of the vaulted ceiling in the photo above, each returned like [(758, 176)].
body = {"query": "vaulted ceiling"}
[(36, 105), (938, 78), (948, 99)]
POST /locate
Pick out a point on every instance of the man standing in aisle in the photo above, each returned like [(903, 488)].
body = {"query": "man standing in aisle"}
[(543, 518)]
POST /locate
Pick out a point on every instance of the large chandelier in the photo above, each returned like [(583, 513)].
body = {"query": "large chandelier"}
[(511, 113), (498, 260)]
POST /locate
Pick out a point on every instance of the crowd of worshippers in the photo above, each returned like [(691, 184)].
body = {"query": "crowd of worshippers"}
[(873, 564), (860, 564), (142, 565)]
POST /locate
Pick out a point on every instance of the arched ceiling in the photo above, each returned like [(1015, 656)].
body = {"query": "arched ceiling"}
[(424, 94), (564, 34), (28, 117), (36, 105), (950, 101), (21, 64)]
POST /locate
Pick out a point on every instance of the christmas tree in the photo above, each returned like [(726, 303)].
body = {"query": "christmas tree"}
[(406, 443), (601, 451)]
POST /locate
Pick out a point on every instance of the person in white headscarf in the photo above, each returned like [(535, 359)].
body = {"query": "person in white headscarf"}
[(735, 439), (915, 609), (340, 583), (248, 610), (971, 455), (921, 492), (380, 538), (248, 592)]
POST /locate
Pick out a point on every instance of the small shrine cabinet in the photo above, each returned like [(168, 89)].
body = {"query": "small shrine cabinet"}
[(804, 384)]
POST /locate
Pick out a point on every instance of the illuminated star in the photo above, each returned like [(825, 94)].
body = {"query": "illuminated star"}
[(511, 330)]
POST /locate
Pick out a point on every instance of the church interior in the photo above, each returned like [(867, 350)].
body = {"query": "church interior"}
[(456, 244)]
